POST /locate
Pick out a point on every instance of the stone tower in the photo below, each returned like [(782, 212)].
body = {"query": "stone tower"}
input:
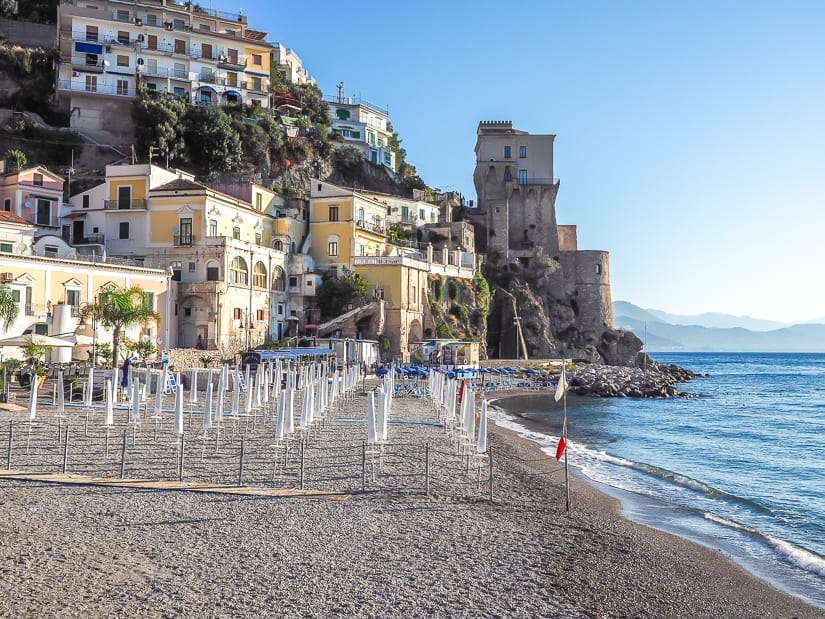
[(516, 190)]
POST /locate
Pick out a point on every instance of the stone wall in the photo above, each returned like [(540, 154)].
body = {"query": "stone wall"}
[(29, 34)]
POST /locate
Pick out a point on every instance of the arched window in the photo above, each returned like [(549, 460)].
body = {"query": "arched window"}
[(278, 245), (238, 272), (213, 271), (259, 275), (278, 279)]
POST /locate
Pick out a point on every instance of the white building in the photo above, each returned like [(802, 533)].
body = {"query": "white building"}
[(365, 126)]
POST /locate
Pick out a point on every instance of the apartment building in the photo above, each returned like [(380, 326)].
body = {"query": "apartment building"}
[(201, 55), (364, 125), (35, 194), (290, 66), (51, 292), (228, 256)]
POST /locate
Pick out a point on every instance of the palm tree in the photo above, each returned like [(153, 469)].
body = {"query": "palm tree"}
[(9, 307), (120, 309)]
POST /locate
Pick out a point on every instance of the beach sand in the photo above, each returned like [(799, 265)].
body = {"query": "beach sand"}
[(391, 551)]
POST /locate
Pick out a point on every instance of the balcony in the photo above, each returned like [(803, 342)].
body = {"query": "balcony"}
[(28, 310), (90, 62), (371, 227), (95, 88), (125, 205), (90, 239), (237, 62), (183, 239)]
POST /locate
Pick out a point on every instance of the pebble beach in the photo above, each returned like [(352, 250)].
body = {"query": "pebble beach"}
[(378, 545)]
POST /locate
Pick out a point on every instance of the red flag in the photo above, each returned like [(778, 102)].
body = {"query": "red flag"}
[(560, 449), (461, 391)]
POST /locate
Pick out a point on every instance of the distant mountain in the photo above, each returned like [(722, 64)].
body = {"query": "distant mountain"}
[(662, 335), (717, 320)]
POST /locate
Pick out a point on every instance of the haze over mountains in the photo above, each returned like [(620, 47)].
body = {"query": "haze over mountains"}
[(714, 332)]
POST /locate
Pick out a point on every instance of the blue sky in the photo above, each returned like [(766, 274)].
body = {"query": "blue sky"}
[(691, 140)]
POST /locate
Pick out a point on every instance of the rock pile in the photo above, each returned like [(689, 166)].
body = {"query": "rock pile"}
[(655, 381)]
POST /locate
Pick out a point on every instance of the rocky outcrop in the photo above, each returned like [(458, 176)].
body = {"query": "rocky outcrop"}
[(652, 381)]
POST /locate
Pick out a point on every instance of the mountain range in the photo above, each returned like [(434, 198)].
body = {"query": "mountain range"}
[(715, 332)]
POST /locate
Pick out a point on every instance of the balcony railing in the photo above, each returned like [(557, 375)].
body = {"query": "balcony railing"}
[(238, 62), (94, 87), (125, 205), (75, 311), (184, 239), (28, 310), (87, 62), (371, 227), (90, 239)]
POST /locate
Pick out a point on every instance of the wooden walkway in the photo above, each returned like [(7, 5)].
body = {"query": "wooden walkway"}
[(147, 484)]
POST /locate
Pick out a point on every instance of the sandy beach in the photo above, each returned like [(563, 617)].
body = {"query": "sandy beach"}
[(390, 551)]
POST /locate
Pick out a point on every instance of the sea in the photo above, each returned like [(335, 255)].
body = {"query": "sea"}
[(739, 466)]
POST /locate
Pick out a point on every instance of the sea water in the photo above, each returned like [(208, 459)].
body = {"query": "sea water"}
[(739, 466)]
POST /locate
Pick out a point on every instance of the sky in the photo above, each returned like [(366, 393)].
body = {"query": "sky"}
[(690, 136)]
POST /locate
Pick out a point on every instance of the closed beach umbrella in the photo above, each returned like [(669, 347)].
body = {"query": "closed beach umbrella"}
[(148, 387), (219, 395), (89, 388), (289, 411), (110, 410), (207, 408), (114, 383), (279, 422), (160, 387), (179, 409), (33, 399), (305, 409), (236, 393), (193, 394), (470, 415), (481, 446), (258, 381), (379, 413), (61, 400), (135, 409), (371, 434)]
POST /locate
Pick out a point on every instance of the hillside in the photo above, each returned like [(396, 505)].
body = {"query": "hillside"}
[(663, 336)]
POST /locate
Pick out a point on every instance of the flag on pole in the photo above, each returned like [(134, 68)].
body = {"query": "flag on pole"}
[(561, 387), (560, 448)]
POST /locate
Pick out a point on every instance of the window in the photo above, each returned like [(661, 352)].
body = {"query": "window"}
[(598, 269), (180, 46), (86, 201), (50, 251), (37, 180), (309, 282), (293, 281), (362, 249), (178, 91), (231, 79), (260, 314), (122, 15), (258, 238), (152, 39), (256, 59), (123, 230), (213, 227), (259, 275), (236, 233), (278, 279), (187, 311), (6, 248), (192, 267), (123, 87), (258, 201), (278, 245), (124, 197), (44, 212), (361, 214), (280, 309), (122, 61), (73, 300), (238, 272), (7, 204), (185, 236), (507, 176), (213, 273), (507, 152), (177, 267), (342, 114), (333, 213), (522, 177), (256, 84), (149, 300), (123, 37), (332, 248), (237, 313), (91, 33)]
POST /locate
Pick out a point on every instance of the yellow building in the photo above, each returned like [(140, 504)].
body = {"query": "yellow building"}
[(227, 254), (349, 229), (51, 292)]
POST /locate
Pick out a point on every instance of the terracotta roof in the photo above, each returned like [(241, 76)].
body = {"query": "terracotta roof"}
[(11, 218), (178, 184)]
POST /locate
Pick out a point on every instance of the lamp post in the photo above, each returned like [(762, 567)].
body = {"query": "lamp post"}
[(170, 273)]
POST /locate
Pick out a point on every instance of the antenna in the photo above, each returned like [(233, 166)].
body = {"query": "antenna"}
[(340, 87)]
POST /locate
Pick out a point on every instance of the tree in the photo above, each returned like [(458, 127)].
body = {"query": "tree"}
[(335, 293), (347, 159), (120, 309), (158, 124), (213, 144), (15, 158), (9, 307)]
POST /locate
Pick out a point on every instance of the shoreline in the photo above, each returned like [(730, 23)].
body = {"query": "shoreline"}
[(392, 551), (621, 502)]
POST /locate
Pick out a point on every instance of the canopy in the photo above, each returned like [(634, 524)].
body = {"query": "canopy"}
[(42, 340)]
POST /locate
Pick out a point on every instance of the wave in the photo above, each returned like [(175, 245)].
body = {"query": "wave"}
[(796, 555)]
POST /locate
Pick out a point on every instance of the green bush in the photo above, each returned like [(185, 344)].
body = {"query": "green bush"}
[(452, 290)]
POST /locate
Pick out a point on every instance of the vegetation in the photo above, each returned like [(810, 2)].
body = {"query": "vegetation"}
[(452, 290), (33, 351), (9, 308), (482, 289), (214, 146), (104, 351), (334, 293), (31, 69), (140, 348), (438, 288), (42, 11), (348, 159), (15, 159), (120, 309)]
